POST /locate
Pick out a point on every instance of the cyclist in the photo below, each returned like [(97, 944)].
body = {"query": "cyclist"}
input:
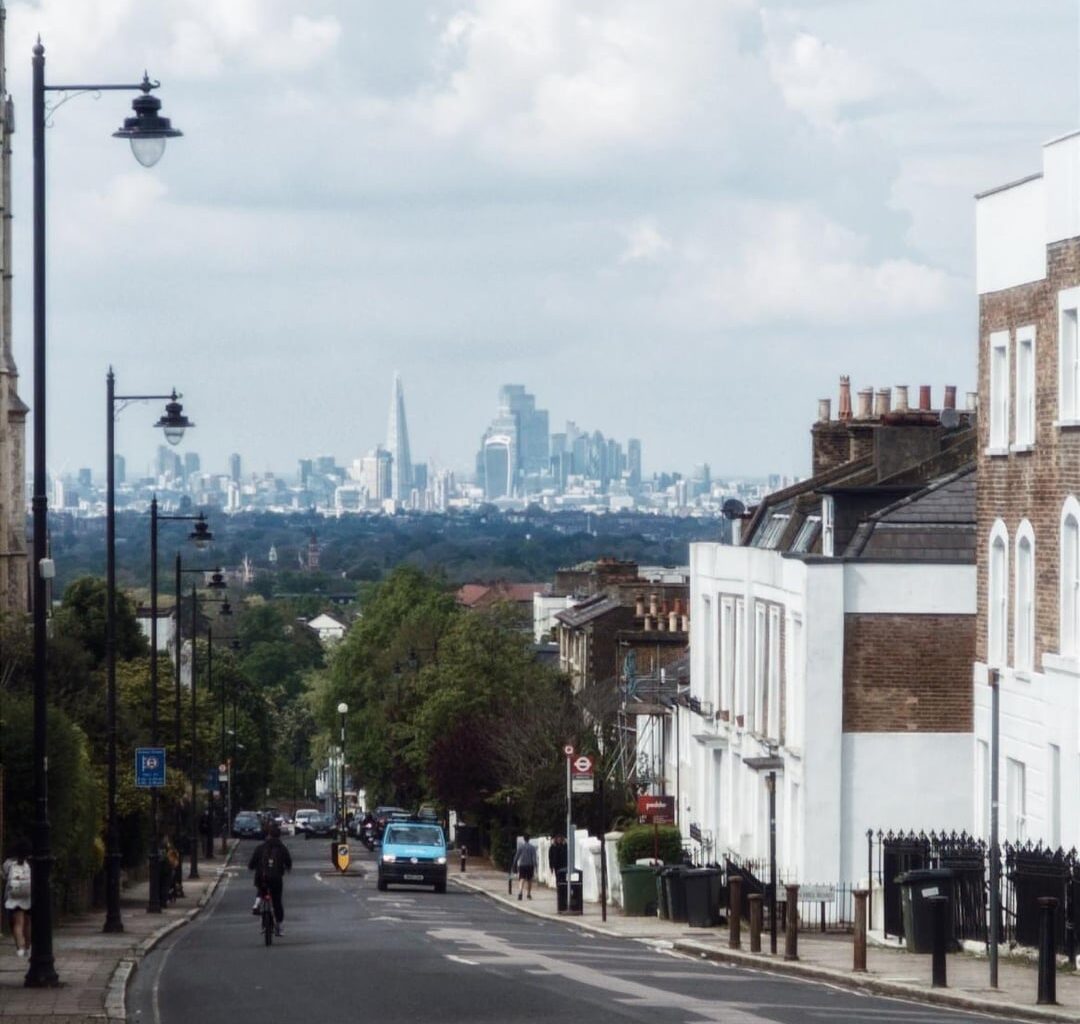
[(270, 861)]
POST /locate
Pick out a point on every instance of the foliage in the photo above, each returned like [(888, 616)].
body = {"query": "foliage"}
[(81, 619), (639, 842)]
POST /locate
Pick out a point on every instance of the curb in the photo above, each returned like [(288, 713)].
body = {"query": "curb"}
[(828, 975), (116, 991)]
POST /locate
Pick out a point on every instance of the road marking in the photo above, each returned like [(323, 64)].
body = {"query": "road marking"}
[(461, 960)]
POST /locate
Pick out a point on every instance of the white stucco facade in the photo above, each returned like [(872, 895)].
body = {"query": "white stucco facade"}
[(752, 608)]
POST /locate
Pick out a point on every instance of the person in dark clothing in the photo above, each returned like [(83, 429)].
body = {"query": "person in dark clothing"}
[(270, 861), (557, 854)]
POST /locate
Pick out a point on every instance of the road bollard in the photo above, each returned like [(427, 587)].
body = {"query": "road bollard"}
[(734, 911), (755, 922), (791, 931), (860, 929), (939, 906), (463, 853), (1047, 952)]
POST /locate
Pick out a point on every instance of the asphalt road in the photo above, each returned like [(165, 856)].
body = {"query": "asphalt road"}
[(350, 952)]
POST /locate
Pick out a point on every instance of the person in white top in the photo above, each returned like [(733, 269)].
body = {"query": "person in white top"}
[(16, 875)]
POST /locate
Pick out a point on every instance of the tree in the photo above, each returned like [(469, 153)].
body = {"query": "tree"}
[(81, 618)]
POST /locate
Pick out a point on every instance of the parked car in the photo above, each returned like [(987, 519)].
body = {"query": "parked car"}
[(247, 825), (302, 817), (413, 853)]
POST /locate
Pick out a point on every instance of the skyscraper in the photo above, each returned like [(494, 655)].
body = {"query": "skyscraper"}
[(234, 468), (397, 443), (633, 461), (515, 446)]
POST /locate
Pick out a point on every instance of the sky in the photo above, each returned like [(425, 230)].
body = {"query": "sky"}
[(679, 221)]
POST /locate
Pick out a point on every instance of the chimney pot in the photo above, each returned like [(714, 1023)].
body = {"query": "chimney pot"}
[(972, 401), (653, 605), (900, 405), (924, 397), (883, 402), (639, 605), (661, 623), (866, 399), (673, 622), (843, 412), (824, 410), (950, 396), (648, 624), (686, 623)]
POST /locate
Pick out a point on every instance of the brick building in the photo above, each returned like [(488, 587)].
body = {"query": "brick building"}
[(837, 634), (1028, 280)]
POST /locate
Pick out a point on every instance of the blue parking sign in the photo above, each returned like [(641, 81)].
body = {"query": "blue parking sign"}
[(149, 767)]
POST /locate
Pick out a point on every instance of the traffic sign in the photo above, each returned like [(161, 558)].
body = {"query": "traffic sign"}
[(581, 774), (342, 857), (582, 764), (149, 767), (568, 750)]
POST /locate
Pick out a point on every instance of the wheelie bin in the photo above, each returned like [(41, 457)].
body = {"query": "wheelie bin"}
[(917, 889), (702, 897), (639, 890), (674, 884), (575, 892)]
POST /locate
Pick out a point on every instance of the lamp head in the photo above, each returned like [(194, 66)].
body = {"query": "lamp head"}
[(225, 609), (217, 581), (147, 131), (200, 535), (174, 422)]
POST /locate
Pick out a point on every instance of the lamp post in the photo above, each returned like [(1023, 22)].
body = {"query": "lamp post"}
[(174, 423), (343, 710), (772, 765), (201, 537), (217, 582), (225, 610), (147, 132)]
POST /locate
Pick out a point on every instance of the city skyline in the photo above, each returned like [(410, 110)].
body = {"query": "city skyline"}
[(685, 270)]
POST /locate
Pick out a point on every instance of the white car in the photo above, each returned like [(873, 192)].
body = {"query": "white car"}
[(300, 819)]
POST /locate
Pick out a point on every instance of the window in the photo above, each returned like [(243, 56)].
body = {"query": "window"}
[(1070, 577), (1053, 794), (999, 391), (1025, 387), (771, 725), (997, 610), (756, 703), (1024, 613), (1068, 357), (982, 790), (1015, 801), (740, 659), (792, 725), (727, 654), (771, 533), (707, 653), (827, 526), (807, 535)]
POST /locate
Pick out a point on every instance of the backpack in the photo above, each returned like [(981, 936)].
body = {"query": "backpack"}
[(271, 863), (18, 881)]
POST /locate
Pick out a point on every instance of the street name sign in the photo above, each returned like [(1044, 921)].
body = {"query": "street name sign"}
[(817, 893), (149, 767)]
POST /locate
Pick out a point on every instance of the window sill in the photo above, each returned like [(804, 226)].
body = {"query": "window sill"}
[(1067, 424), (996, 452), (1063, 664), (1020, 449)]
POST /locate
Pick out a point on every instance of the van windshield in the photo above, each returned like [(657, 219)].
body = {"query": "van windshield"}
[(415, 835)]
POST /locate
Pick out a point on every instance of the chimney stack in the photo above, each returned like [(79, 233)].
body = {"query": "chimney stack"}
[(950, 396), (843, 413), (901, 398), (882, 403), (924, 397), (866, 399)]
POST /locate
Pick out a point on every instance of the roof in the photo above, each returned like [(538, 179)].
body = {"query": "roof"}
[(325, 621), (588, 611), (482, 595)]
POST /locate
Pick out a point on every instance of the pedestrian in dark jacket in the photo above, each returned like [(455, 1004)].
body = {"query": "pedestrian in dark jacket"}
[(557, 854)]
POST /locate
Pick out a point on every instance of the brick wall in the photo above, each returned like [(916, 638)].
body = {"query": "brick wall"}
[(908, 673), (1028, 485)]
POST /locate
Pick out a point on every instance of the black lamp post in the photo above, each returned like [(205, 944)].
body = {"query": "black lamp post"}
[(771, 765), (201, 536), (225, 610), (217, 582), (174, 423), (343, 710), (146, 135)]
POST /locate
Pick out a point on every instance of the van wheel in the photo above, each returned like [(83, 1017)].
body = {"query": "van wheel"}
[(381, 885)]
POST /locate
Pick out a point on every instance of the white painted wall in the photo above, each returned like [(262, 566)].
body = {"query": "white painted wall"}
[(1010, 236), (1061, 174)]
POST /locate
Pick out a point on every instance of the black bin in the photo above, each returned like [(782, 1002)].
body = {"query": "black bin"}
[(702, 887), (918, 888), (675, 890), (576, 901)]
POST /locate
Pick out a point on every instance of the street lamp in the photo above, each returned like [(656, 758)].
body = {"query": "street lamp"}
[(217, 582), (201, 537), (224, 611), (173, 416), (343, 710), (41, 972)]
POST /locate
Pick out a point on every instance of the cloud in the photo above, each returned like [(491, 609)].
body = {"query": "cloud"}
[(644, 244)]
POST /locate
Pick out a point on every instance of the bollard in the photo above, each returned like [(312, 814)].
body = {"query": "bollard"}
[(939, 906), (734, 911), (463, 853), (755, 922), (1047, 952), (791, 931), (860, 929)]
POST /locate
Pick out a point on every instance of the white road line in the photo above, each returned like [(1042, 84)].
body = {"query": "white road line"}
[(460, 960)]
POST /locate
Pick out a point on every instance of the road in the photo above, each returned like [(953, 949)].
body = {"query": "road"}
[(352, 953)]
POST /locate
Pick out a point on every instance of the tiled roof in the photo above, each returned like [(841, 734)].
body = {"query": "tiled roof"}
[(480, 595), (587, 611)]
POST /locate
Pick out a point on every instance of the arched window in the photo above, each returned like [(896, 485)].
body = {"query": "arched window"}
[(997, 603), (1070, 577), (1024, 612)]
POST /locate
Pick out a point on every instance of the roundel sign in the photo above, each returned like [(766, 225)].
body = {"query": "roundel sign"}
[(582, 764), (568, 750), (581, 774)]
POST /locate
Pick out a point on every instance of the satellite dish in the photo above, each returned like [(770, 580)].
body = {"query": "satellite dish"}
[(733, 508), (950, 418)]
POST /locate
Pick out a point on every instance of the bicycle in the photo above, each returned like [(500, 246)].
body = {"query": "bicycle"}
[(266, 914)]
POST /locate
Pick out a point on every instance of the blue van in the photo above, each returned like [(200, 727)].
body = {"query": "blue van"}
[(412, 853)]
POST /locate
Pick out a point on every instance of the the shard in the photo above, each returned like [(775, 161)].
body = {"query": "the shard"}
[(397, 443)]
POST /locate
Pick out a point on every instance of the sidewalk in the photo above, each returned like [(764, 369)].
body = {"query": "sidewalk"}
[(94, 967), (890, 971)]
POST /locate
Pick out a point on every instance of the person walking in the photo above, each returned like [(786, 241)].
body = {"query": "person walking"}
[(525, 865), (270, 861), (16, 875), (557, 856)]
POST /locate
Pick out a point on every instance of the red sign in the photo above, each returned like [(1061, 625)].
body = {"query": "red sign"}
[(582, 765), (656, 810)]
